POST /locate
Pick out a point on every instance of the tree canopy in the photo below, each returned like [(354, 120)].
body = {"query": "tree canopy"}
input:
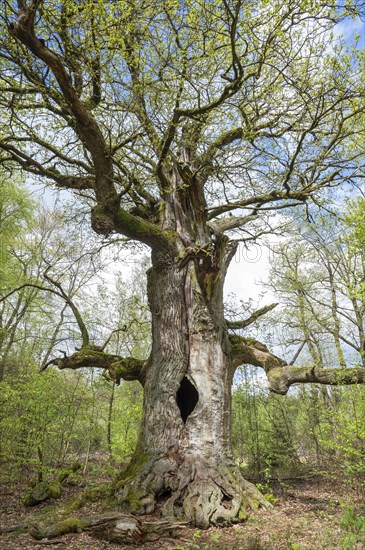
[(248, 102)]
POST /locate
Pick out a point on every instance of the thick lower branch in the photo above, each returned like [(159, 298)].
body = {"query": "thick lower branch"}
[(252, 352), (280, 375), (280, 379), (227, 224), (118, 368)]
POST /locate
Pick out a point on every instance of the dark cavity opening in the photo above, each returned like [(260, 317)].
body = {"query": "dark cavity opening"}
[(165, 494), (186, 397)]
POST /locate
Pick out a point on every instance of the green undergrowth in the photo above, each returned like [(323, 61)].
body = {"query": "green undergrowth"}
[(101, 493), (353, 521)]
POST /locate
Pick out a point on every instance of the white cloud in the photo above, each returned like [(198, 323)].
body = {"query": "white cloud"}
[(248, 269)]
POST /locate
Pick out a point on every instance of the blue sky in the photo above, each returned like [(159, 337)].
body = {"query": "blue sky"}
[(349, 28)]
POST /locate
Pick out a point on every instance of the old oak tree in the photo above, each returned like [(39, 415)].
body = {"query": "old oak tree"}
[(184, 125)]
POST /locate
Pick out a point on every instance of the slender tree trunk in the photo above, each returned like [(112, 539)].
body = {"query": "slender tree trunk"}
[(110, 418), (184, 457)]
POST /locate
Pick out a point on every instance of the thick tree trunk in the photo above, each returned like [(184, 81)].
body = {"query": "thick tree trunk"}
[(184, 462)]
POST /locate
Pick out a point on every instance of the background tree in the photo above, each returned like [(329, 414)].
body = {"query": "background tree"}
[(318, 278), (16, 219), (185, 127), (51, 269)]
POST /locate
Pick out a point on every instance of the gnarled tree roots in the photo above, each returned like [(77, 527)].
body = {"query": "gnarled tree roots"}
[(179, 490), (202, 491)]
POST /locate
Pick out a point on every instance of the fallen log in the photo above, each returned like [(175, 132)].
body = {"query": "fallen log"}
[(12, 528), (117, 528)]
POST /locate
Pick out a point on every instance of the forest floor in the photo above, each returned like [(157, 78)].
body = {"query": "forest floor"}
[(309, 513)]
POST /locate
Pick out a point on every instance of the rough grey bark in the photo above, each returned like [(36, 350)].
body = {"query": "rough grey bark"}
[(184, 454)]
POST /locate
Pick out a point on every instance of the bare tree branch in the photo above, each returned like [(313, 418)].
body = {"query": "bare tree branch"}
[(298, 352), (61, 294), (251, 319)]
